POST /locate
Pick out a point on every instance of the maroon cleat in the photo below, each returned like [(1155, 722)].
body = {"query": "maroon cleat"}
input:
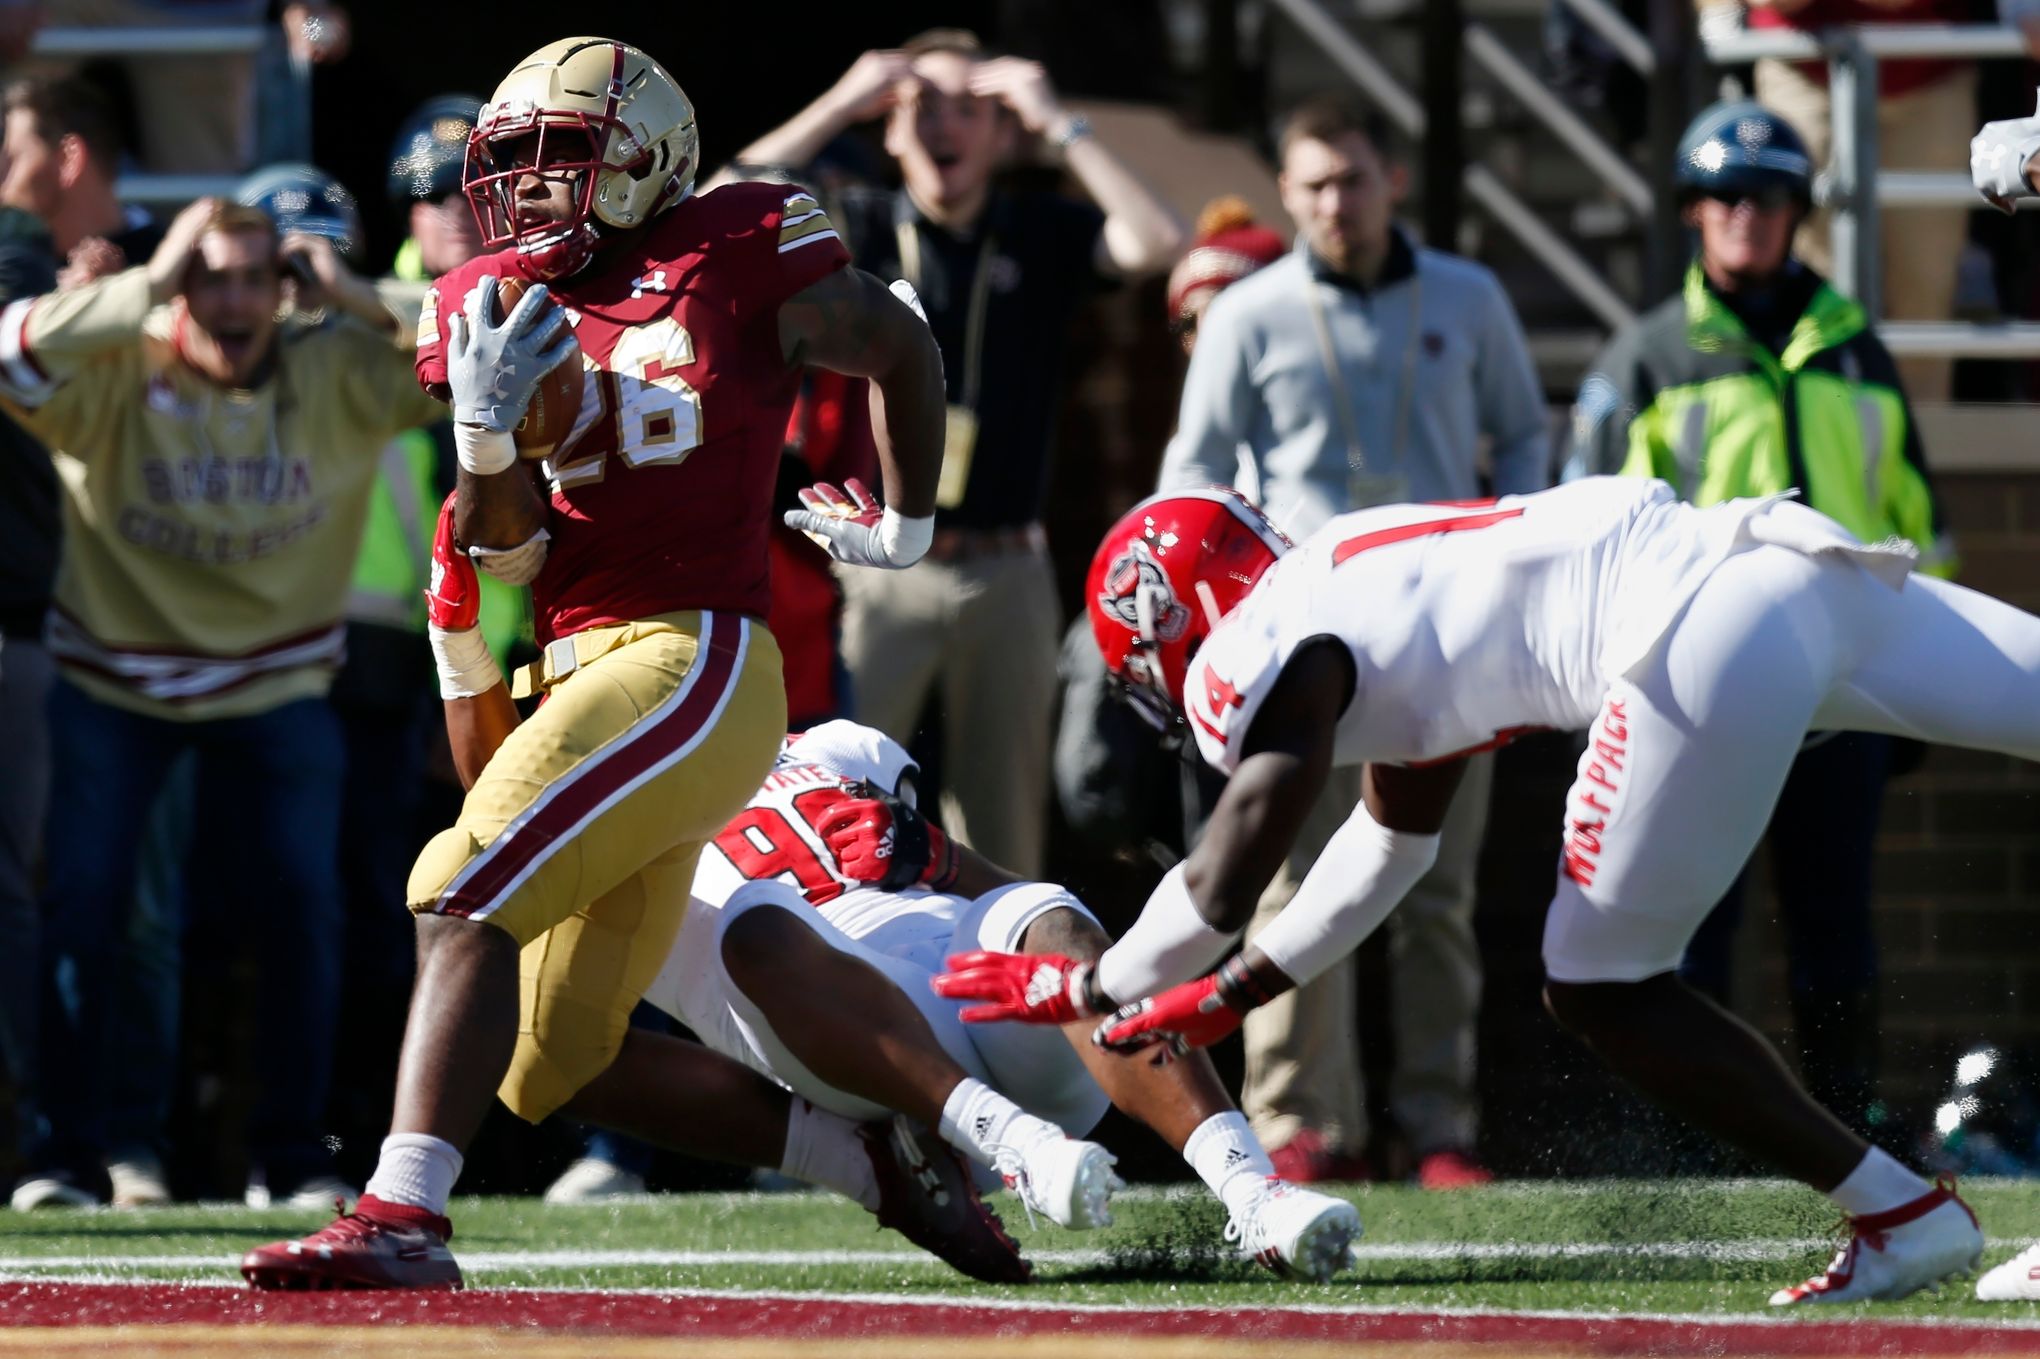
[(1308, 1158), (926, 1194), (378, 1245), (1452, 1170)]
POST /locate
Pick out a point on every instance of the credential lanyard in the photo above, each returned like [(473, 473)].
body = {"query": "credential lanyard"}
[(1342, 398), (980, 302)]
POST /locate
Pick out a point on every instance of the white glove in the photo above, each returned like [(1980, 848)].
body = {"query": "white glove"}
[(853, 528), (1997, 159), (518, 565), (494, 368), (904, 291)]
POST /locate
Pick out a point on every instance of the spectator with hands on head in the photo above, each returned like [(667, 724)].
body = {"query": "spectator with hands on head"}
[(216, 471)]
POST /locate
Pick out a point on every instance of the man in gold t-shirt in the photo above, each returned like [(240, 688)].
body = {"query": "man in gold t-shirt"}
[(216, 471)]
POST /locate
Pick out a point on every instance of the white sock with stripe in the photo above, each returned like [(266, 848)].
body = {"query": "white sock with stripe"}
[(979, 1121), (1227, 1156)]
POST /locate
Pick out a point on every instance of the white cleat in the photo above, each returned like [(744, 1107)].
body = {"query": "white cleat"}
[(593, 1180), (52, 1191), (1067, 1181), (139, 1182), (2016, 1280), (321, 1192), (1298, 1233), (1896, 1254)]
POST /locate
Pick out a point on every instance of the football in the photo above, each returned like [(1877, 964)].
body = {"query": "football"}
[(557, 402)]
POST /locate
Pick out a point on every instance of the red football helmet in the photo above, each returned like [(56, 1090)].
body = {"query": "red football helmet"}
[(1163, 577)]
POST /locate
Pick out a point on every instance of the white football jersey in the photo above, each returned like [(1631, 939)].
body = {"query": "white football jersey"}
[(1467, 624), (777, 835)]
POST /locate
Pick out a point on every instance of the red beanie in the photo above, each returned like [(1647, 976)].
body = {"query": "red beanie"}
[(1229, 245)]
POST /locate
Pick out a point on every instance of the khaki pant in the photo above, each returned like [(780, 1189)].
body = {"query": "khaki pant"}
[(985, 630), (1303, 1055), (1925, 129)]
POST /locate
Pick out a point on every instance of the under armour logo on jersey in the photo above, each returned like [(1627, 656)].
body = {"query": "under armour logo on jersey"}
[(1045, 985), (654, 282)]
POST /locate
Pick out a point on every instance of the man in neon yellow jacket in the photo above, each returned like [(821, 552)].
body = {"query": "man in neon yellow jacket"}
[(1760, 377)]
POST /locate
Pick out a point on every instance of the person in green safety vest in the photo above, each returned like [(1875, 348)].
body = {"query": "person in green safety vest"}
[(1760, 377)]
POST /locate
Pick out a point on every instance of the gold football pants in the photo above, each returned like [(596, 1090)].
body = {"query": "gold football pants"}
[(580, 838)]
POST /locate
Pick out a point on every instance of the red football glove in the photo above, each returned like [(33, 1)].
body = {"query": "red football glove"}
[(1034, 988), (453, 600), (877, 838), (1193, 1015)]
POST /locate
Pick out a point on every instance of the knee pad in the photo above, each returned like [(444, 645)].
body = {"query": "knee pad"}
[(548, 1069), (998, 920), (438, 864)]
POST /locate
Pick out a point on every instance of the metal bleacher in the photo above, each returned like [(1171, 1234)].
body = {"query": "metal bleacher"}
[(282, 83), (1506, 88)]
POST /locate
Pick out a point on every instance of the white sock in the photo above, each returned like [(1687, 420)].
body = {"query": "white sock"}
[(415, 1169), (824, 1148), (1878, 1184), (977, 1120), (1227, 1156)]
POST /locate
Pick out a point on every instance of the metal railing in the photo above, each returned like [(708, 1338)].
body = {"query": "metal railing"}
[(1481, 184), (1855, 192), (181, 40), (1620, 35)]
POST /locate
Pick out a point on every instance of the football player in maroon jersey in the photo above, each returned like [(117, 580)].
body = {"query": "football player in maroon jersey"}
[(643, 537)]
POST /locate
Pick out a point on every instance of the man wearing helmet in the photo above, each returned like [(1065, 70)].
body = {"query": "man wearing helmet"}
[(1757, 378), (1696, 646), (691, 315)]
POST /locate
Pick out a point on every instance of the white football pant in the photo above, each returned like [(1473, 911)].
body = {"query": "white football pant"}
[(1687, 756), (1032, 1065)]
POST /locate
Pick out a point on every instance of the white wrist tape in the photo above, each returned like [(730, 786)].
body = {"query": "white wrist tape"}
[(1364, 871), (466, 669), (517, 565), (1170, 943), (904, 541), (483, 452)]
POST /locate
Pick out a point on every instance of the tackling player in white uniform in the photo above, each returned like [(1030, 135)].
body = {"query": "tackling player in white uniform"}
[(833, 839), (1697, 647)]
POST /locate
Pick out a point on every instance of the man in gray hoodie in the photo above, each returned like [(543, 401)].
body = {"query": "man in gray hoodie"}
[(1362, 370)]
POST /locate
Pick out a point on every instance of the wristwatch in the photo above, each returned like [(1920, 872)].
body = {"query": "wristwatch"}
[(1074, 129)]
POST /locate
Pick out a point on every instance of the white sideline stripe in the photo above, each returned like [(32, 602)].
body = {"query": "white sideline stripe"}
[(490, 1262), (967, 1301)]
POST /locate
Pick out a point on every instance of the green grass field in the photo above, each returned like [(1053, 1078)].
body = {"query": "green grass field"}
[(1622, 1246)]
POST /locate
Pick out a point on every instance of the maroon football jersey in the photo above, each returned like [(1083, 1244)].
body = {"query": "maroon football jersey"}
[(662, 492)]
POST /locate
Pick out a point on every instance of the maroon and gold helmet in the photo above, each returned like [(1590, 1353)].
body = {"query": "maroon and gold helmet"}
[(601, 111)]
